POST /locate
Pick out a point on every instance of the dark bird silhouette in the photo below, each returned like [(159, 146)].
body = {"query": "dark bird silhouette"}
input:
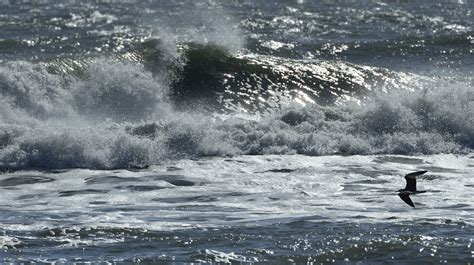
[(410, 188)]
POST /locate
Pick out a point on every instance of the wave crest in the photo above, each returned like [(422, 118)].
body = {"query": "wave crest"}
[(117, 114)]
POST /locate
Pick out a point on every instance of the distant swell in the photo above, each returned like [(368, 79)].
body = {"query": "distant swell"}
[(132, 111)]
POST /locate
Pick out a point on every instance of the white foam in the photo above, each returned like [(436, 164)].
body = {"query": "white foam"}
[(246, 189), (8, 242), (117, 115), (222, 257)]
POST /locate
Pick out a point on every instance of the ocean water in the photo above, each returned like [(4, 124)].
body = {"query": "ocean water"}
[(238, 131)]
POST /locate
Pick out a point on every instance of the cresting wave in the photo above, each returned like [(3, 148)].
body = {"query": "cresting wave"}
[(224, 81), (130, 111), (250, 82)]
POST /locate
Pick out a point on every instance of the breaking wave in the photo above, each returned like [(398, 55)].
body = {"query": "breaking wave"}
[(134, 110)]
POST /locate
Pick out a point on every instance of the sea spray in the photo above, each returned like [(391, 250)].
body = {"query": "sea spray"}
[(141, 108), (395, 126), (119, 91)]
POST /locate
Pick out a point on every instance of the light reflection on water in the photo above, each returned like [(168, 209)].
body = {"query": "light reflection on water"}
[(273, 209)]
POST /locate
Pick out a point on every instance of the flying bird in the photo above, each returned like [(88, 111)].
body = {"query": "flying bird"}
[(410, 187)]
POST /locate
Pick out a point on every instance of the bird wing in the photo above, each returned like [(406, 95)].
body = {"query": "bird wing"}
[(405, 196), (411, 180), (414, 174)]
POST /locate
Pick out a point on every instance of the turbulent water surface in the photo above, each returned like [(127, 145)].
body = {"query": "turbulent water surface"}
[(235, 131)]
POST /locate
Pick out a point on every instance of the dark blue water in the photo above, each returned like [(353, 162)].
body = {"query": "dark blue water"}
[(300, 241), (235, 131), (397, 35)]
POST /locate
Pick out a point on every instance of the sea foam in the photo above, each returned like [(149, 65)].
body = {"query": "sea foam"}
[(117, 114)]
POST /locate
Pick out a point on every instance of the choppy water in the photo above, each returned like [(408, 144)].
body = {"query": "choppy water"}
[(244, 209), (235, 131)]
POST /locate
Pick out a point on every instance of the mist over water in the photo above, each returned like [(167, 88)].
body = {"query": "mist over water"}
[(235, 131)]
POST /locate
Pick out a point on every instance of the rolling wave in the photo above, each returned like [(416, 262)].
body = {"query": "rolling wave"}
[(131, 111), (248, 82), (253, 81)]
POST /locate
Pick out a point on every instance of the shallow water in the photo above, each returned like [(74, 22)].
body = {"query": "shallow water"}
[(244, 209)]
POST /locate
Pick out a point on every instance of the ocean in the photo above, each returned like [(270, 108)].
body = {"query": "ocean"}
[(240, 131)]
